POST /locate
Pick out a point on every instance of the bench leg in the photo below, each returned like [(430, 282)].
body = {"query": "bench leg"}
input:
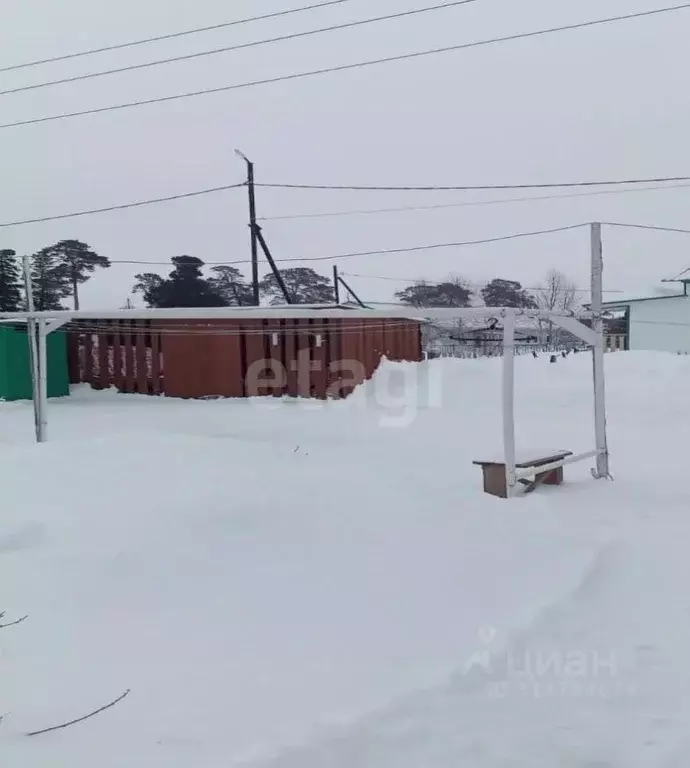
[(555, 477), (495, 480)]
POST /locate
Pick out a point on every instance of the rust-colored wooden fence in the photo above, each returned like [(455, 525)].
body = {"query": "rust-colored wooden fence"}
[(315, 357)]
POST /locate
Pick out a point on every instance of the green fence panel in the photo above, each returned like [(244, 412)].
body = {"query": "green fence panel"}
[(15, 364)]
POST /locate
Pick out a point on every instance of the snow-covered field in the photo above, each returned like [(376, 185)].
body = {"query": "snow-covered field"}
[(300, 585)]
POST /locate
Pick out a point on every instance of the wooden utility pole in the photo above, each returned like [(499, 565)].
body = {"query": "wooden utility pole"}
[(276, 272), (253, 227)]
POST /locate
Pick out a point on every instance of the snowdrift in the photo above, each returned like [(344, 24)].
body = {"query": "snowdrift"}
[(307, 584)]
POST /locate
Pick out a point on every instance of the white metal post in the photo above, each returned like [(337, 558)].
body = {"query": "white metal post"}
[(42, 380), (509, 401), (602, 470), (33, 348)]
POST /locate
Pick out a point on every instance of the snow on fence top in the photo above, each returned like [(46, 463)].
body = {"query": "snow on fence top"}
[(293, 311)]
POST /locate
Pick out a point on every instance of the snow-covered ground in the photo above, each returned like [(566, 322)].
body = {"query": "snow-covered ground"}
[(300, 585)]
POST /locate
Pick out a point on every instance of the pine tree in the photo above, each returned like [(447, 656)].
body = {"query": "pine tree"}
[(10, 282), (49, 280), (304, 285), (451, 293), (148, 284), (231, 285), (184, 287), (79, 262), (507, 293)]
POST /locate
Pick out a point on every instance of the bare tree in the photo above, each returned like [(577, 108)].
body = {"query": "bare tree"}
[(558, 294)]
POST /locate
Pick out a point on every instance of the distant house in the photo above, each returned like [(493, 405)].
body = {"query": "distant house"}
[(659, 322), (484, 341), (492, 335)]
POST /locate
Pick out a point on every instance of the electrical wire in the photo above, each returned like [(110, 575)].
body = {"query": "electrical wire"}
[(238, 47), (470, 284), (436, 246), (474, 187), (124, 206), (342, 256), (225, 188), (173, 35), (646, 226), (470, 203), (343, 67)]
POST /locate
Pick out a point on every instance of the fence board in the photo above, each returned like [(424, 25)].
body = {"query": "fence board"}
[(254, 357), (304, 358), (319, 358), (290, 357), (156, 363), (141, 359), (103, 361), (118, 362), (128, 355), (274, 352), (87, 359), (334, 354), (73, 356)]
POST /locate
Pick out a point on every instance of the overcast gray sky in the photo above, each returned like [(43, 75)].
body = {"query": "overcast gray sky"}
[(605, 102)]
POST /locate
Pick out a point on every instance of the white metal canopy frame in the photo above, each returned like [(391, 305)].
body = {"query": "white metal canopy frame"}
[(40, 324)]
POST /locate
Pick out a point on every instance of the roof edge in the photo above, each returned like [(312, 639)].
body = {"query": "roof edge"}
[(623, 302)]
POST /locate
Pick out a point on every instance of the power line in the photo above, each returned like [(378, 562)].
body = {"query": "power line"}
[(343, 68), (238, 47), (385, 251), (225, 188), (474, 187), (436, 246), (172, 36), (124, 206), (471, 284), (469, 203), (646, 226)]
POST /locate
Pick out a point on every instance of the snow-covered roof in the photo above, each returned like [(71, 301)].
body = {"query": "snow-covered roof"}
[(649, 294)]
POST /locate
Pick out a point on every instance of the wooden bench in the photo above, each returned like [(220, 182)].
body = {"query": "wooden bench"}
[(494, 472)]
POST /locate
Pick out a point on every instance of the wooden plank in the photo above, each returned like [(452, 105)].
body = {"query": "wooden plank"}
[(118, 362), (142, 363), (333, 355), (290, 357), (304, 353), (274, 352), (87, 359), (254, 357), (104, 359), (533, 459), (319, 359), (73, 361), (156, 383), (128, 355), (233, 372)]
